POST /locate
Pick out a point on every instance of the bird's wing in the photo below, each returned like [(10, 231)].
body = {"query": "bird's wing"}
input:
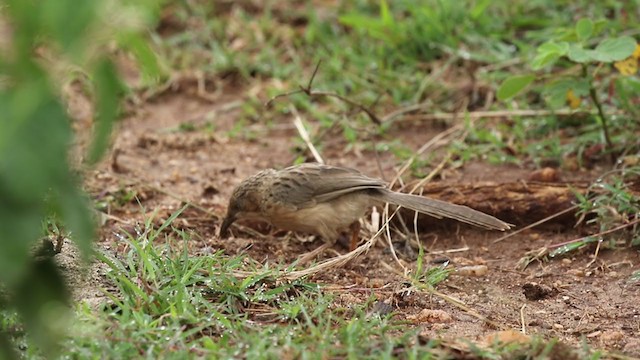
[(316, 183)]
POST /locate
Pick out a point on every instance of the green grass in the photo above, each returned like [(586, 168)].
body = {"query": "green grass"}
[(386, 55), (169, 304)]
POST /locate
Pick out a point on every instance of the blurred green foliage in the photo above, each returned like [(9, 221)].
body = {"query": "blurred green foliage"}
[(37, 181)]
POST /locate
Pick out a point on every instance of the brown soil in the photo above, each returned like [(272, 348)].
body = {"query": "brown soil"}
[(576, 299)]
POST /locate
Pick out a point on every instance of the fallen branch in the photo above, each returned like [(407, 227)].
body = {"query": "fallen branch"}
[(519, 203)]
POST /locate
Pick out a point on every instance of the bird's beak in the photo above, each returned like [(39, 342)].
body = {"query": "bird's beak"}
[(226, 223)]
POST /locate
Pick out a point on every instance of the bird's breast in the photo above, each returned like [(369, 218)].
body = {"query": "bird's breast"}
[(325, 218)]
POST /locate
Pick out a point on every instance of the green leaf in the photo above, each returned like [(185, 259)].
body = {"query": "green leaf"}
[(108, 91), (578, 54), (542, 60), (385, 14), (627, 87), (43, 304), (374, 27), (584, 29), (73, 207), (147, 59), (556, 92), (33, 152), (552, 47), (514, 85), (610, 50), (548, 53), (479, 9), (66, 29), (572, 246), (599, 26)]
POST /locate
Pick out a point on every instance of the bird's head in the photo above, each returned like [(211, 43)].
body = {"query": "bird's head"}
[(243, 204)]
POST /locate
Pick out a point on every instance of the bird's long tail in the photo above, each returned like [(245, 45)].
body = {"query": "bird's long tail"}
[(440, 209)]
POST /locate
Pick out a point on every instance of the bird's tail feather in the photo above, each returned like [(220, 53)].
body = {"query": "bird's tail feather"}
[(440, 209)]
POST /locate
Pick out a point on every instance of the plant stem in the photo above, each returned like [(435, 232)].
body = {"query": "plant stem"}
[(605, 127)]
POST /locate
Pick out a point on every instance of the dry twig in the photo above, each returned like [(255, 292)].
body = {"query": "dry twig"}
[(314, 93), (636, 221)]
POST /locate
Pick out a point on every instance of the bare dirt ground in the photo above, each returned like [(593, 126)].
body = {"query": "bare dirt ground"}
[(164, 168)]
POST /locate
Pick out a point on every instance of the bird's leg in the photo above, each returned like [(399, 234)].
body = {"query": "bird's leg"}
[(354, 237), (354, 230)]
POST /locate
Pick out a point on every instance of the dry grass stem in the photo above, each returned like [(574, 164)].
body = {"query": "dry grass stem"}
[(297, 121), (502, 238), (428, 145), (631, 223), (490, 114)]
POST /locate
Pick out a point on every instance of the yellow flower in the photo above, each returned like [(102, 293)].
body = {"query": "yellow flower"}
[(573, 100), (636, 52), (629, 66)]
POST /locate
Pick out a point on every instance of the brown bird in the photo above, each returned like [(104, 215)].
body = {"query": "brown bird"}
[(323, 200)]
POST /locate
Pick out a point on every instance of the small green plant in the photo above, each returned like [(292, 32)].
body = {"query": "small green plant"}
[(612, 207), (613, 203), (428, 276), (588, 72)]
